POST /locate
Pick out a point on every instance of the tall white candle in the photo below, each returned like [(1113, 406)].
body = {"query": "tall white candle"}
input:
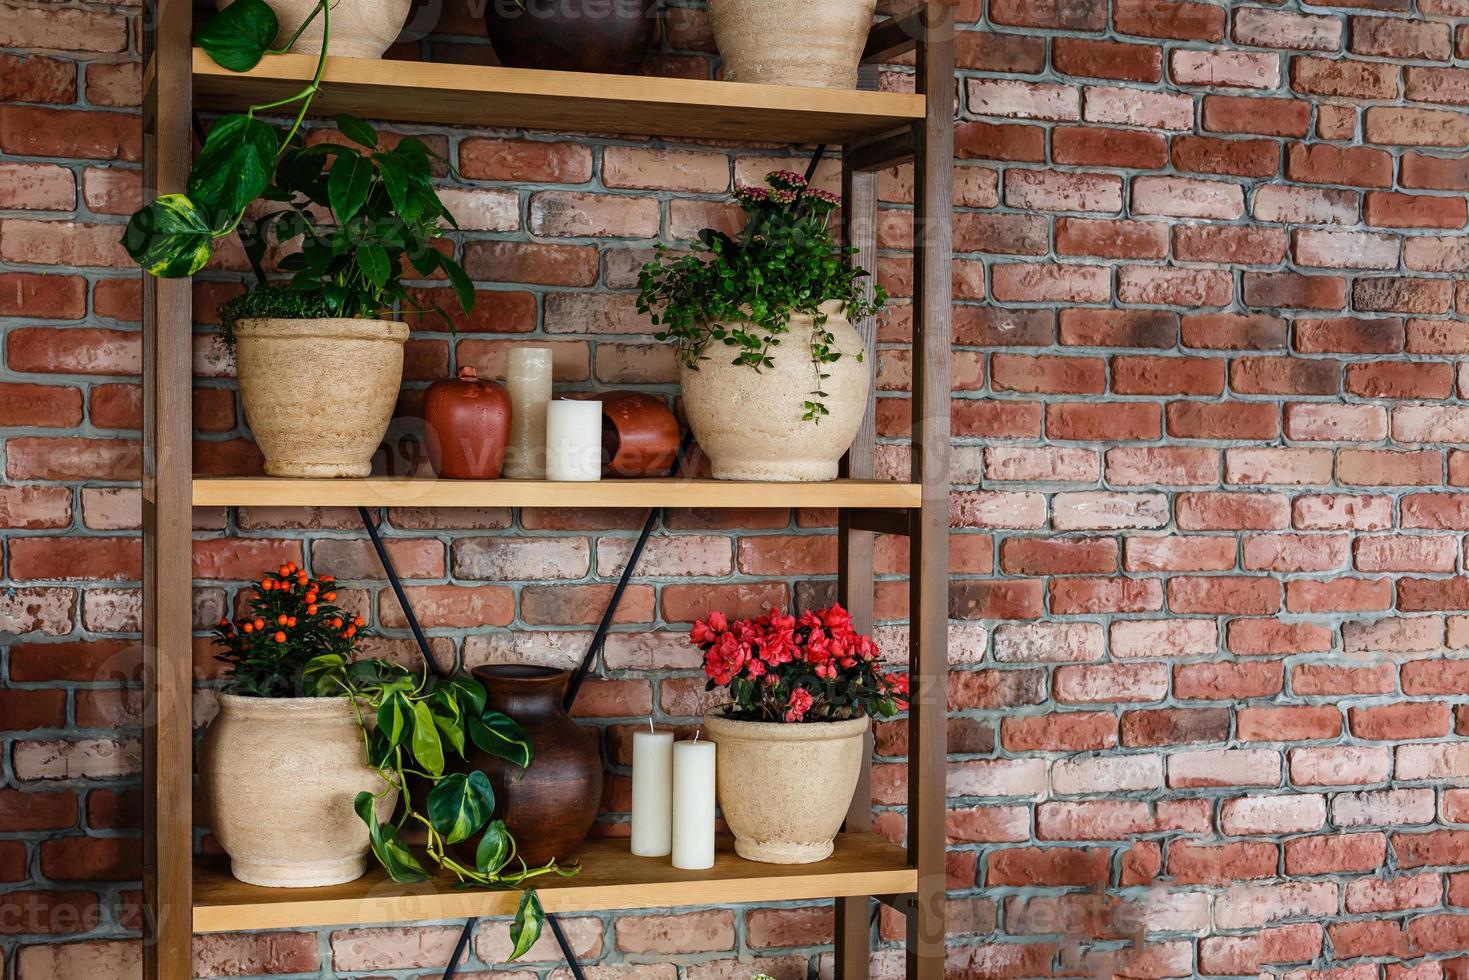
[(528, 381), (574, 441), (693, 805), (652, 793)]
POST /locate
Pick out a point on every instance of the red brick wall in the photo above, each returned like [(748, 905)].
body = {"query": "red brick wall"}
[(1209, 517)]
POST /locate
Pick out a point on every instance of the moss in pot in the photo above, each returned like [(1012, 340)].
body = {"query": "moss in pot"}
[(318, 354), (317, 759)]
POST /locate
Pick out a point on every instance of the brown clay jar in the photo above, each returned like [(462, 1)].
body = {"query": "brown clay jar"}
[(549, 807), (572, 35), (467, 424), (640, 434)]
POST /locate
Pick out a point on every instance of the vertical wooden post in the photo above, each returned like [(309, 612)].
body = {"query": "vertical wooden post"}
[(928, 612), (855, 557), (168, 743)]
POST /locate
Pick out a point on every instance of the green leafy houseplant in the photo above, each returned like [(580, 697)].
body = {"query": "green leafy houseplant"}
[(363, 215), (741, 293), (293, 641)]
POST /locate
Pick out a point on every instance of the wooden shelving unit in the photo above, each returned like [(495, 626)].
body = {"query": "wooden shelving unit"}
[(875, 130)]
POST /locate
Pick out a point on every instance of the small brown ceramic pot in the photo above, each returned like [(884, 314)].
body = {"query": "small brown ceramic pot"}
[(572, 35), (549, 807), (467, 423), (640, 435)]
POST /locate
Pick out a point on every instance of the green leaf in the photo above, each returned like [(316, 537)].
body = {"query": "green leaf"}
[(169, 238), (357, 131), (374, 263), (459, 805), (321, 677), (500, 736), (463, 287), (470, 694), (391, 853), (427, 748), (495, 850), (234, 166), (396, 171), (526, 928), (449, 716), (239, 35), (347, 185), (392, 718)]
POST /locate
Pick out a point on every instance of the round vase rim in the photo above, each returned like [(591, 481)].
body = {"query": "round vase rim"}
[(350, 328), (801, 731)]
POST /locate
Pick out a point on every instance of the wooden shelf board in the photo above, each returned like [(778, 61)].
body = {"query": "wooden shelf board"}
[(667, 492), (624, 105), (611, 878)]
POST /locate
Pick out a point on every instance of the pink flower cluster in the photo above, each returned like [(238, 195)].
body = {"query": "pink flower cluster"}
[(815, 667)]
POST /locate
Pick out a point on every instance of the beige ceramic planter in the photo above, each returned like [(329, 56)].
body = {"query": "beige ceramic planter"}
[(785, 789), (319, 394), (750, 422), (360, 28), (279, 777), (774, 42)]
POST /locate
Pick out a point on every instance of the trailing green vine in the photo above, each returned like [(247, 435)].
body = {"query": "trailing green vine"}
[(741, 293)]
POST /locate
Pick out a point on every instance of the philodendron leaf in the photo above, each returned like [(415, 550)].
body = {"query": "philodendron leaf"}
[(496, 848), (526, 928), (391, 853), (348, 184), (321, 677), (240, 34), (499, 735), (357, 131), (374, 262), (460, 805), (427, 748), (392, 718), (169, 238), (234, 167)]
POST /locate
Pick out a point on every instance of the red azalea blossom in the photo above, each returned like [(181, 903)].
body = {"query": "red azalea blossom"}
[(800, 703), (811, 668)]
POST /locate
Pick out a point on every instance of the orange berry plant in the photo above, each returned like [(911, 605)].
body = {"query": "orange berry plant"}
[(290, 619)]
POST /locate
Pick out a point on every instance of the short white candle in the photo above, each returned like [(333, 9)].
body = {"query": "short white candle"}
[(693, 805), (574, 441), (652, 793), (528, 372)]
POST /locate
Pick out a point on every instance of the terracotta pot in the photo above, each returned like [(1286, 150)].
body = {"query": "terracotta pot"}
[(549, 807), (640, 434), (817, 45), (467, 423), (750, 423), (279, 777), (610, 36), (319, 394), (785, 789), (360, 29)]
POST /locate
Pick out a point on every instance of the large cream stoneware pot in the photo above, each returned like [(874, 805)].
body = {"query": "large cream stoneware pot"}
[(279, 777), (775, 42), (784, 789), (750, 423), (319, 394), (360, 28)]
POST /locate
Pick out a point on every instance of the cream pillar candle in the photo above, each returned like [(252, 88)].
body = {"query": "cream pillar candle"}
[(693, 805), (574, 441), (652, 793), (528, 380)]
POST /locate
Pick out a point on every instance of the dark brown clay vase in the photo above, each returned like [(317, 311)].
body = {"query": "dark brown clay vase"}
[(549, 807), (640, 434), (610, 36), (466, 425)]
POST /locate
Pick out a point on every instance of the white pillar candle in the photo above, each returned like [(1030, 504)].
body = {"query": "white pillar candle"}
[(652, 793), (574, 441), (528, 380), (693, 805)]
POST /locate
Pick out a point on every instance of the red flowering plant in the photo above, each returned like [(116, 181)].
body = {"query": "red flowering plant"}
[(815, 667)]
